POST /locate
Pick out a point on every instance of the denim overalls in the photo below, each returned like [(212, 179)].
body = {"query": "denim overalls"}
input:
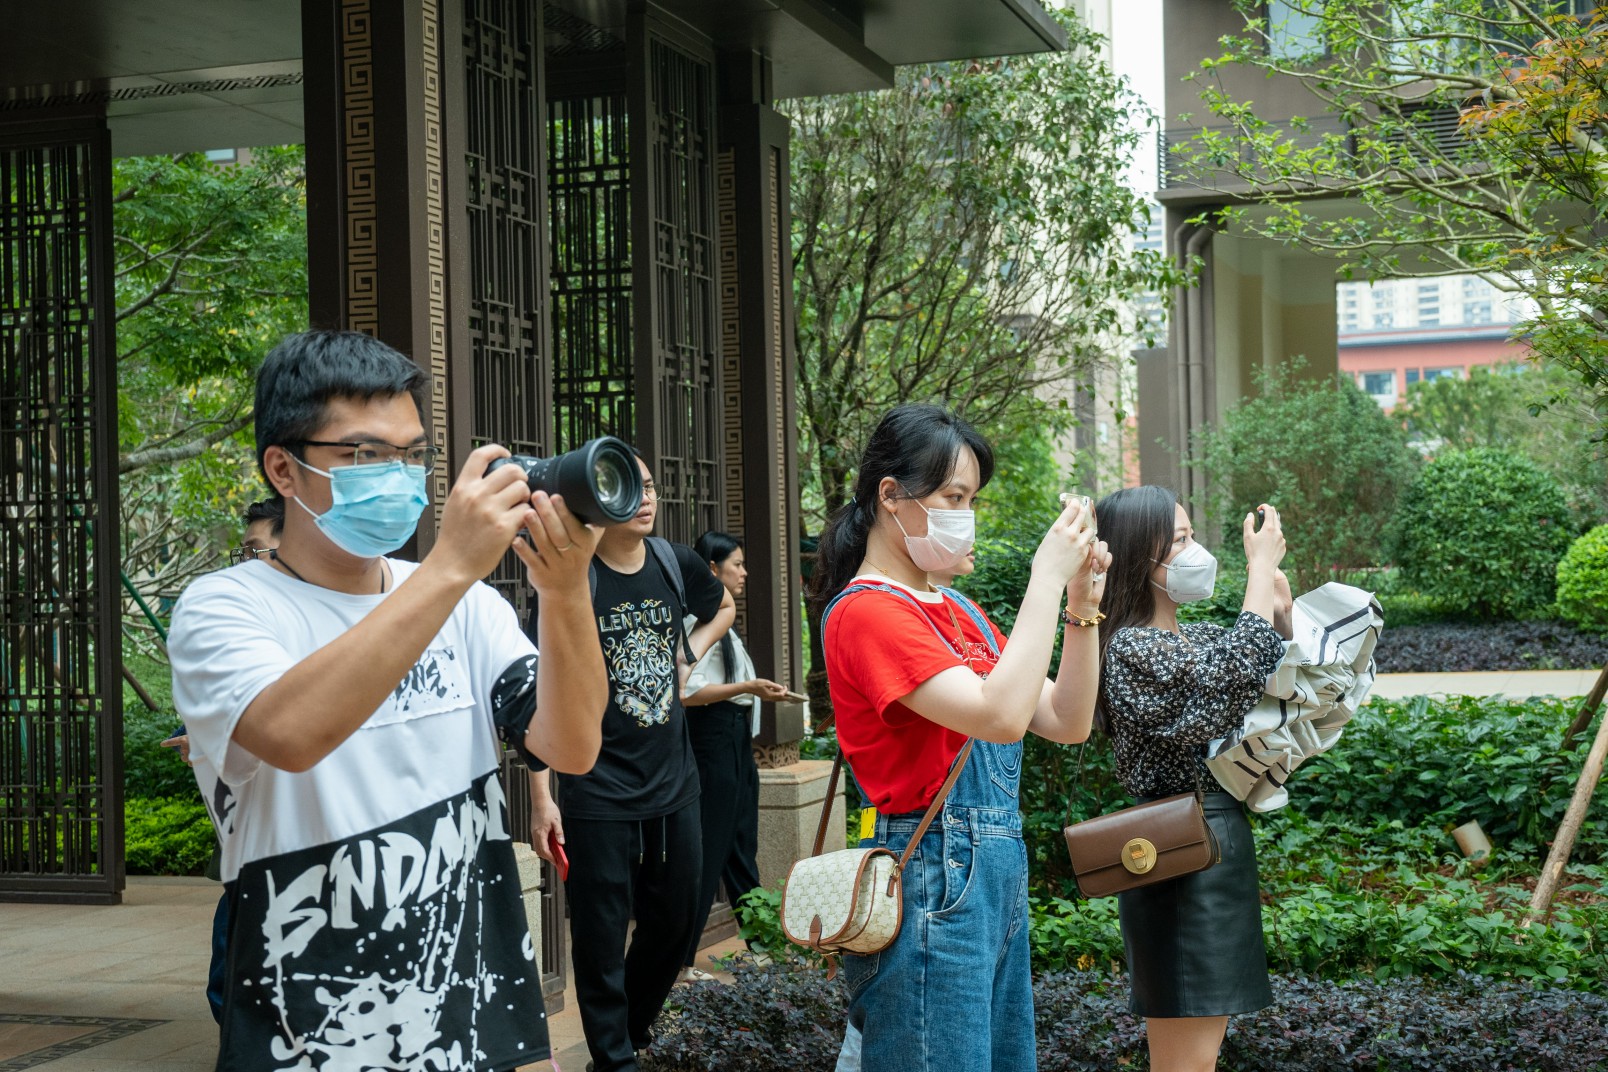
[(955, 989)]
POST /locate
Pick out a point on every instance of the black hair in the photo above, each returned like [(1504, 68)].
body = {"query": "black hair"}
[(271, 509), (301, 375), (1137, 526), (916, 445), (715, 547)]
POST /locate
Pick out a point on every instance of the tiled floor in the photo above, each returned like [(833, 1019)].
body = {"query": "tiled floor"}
[(121, 988)]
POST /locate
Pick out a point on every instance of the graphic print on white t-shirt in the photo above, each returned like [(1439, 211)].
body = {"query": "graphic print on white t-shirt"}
[(378, 921)]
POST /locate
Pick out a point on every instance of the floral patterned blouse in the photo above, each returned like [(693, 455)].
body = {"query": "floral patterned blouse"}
[(1167, 695)]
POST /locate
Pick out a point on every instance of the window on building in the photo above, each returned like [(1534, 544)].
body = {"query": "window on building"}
[(1429, 319), (1379, 383), (1384, 318), (222, 156), (1294, 30), (1412, 376), (1478, 312), (1433, 374)]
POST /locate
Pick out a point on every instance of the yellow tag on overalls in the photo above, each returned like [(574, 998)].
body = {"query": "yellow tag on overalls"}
[(868, 823)]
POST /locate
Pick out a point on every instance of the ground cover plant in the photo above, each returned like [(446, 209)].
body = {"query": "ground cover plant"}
[(788, 1018), (1451, 646)]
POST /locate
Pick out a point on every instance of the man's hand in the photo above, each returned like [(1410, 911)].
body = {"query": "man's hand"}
[(482, 513), (545, 824), (182, 743), (558, 551)]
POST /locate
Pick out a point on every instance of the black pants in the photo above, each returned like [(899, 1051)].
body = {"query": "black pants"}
[(620, 870), (729, 807)]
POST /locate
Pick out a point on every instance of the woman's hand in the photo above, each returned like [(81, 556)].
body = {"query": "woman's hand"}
[(1066, 548), (1087, 588), (768, 691), (1264, 547)]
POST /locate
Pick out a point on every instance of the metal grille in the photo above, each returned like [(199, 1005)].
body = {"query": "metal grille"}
[(60, 698), (507, 254), (507, 262), (589, 206), (685, 343)]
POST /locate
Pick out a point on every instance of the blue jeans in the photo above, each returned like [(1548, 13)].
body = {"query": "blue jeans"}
[(220, 958), (955, 989)]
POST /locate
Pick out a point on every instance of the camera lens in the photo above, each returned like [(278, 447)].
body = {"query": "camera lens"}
[(610, 482), (599, 480)]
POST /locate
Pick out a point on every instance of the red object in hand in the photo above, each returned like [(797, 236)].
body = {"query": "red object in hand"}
[(555, 847)]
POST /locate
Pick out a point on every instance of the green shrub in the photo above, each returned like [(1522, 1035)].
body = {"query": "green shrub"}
[(1323, 453), (149, 770), (1481, 532), (166, 837), (1441, 762), (1583, 581)]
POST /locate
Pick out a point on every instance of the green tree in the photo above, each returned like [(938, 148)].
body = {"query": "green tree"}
[(1536, 411), (211, 271), (961, 238), (1463, 136), (1326, 456)]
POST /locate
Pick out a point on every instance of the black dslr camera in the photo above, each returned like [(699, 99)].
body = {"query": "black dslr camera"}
[(599, 480)]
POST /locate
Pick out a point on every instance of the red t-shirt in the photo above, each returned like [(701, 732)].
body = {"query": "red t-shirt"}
[(879, 649)]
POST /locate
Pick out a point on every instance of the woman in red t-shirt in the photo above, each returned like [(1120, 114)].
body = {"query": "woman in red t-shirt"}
[(915, 672)]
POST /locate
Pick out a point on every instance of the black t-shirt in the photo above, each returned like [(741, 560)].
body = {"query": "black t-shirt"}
[(646, 768)]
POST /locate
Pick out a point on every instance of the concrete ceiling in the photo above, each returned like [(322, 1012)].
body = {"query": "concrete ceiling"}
[(182, 75)]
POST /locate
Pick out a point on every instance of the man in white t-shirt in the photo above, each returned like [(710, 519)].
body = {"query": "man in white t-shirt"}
[(344, 711)]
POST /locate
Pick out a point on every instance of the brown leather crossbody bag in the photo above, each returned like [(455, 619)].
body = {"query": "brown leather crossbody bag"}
[(1142, 845)]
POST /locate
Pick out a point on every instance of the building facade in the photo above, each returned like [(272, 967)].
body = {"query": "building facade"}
[(573, 213)]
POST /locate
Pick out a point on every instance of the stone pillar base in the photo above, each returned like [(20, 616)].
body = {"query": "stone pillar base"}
[(790, 799), (530, 889)]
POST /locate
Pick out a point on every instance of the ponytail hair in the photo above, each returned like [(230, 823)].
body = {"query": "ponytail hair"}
[(916, 445), (1137, 526)]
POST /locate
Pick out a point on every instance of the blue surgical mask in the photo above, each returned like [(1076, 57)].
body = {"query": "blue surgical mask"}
[(373, 508)]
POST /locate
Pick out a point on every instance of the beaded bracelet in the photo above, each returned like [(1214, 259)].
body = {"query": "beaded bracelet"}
[(1082, 623)]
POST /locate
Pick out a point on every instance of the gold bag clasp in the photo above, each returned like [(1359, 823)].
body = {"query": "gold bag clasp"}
[(1139, 856)]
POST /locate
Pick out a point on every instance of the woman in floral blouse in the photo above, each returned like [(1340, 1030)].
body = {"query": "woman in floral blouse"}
[(1194, 944)]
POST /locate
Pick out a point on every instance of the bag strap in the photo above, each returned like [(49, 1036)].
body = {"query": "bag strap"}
[(926, 820), (977, 617)]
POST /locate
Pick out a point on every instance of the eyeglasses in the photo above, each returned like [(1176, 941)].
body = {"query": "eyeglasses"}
[(238, 555), (650, 491), (367, 453)]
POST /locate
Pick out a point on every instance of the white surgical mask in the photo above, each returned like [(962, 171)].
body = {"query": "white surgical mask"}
[(1191, 575), (949, 539)]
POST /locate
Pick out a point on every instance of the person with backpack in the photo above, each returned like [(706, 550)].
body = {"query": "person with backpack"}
[(630, 828), (924, 685)]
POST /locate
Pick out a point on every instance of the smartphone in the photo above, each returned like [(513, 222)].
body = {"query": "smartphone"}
[(560, 858)]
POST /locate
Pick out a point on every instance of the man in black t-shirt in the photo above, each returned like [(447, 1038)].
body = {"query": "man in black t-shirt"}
[(630, 827)]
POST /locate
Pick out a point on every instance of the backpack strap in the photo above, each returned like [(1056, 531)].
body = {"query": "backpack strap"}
[(663, 552)]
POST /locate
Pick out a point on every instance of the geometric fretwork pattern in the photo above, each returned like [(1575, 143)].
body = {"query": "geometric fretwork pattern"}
[(507, 262), (589, 214), (681, 110), (60, 698)]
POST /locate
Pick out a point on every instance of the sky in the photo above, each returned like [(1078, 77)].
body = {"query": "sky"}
[(1135, 54)]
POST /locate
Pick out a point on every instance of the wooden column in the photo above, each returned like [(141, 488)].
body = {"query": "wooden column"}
[(757, 377)]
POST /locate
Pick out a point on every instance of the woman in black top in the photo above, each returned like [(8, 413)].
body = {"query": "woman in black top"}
[(1194, 944)]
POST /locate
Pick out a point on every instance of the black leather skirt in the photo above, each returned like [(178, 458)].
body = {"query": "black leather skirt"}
[(1194, 944)]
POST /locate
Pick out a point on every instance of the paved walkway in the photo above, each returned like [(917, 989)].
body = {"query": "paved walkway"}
[(122, 988), (1517, 684)]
